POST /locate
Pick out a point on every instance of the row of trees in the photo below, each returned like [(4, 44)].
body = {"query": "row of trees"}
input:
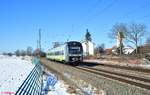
[(131, 33), (28, 51), (100, 49)]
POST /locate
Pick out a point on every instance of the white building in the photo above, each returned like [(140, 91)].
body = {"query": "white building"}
[(128, 50), (88, 48)]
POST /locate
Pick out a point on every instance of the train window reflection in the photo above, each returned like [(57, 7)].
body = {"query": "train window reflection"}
[(74, 50)]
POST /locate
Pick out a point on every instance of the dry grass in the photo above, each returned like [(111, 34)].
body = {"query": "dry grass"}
[(71, 90), (117, 59), (77, 78)]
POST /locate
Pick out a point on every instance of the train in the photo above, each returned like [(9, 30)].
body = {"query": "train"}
[(70, 52)]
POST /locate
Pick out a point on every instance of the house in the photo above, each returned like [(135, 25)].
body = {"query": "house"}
[(144, 49), (128, 50), (88, 48)]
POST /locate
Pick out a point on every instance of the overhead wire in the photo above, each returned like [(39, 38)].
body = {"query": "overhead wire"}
[(90, 10), (109, 6), (128, 14), (94, 6), (99, 13)]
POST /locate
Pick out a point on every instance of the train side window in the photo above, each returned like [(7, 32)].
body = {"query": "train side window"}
[(61, 52), (57, 53)]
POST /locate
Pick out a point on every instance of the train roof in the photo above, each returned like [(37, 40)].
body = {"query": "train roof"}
[(64, 44), (73, 42)]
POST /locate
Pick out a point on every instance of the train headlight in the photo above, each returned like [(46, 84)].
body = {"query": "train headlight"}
[(76, 59), (73, 59)]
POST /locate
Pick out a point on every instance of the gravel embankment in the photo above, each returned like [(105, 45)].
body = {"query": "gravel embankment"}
[(92, 83)]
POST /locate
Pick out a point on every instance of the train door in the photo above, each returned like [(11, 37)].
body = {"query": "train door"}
[(66, 53)]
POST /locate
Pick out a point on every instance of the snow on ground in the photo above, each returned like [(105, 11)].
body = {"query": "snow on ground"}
[(146, 63), (59, 89), (14, 71)]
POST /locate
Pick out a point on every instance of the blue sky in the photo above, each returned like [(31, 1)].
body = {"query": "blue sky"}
[(65, 19)]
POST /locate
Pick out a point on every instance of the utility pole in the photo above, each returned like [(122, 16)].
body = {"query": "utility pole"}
[(37, 42), (40, 39), (70, 33)]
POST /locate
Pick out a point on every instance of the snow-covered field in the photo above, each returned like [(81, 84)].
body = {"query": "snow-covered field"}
[(60, 88), (13, 71)]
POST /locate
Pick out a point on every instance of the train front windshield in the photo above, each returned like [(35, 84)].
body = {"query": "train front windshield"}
[(75, 50)]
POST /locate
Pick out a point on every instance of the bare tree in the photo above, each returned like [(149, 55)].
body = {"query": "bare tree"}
[(36, 52), (4, 53), (29, 51), (135, 33), (10, 54), (39, 53), (56, 44), (18, 52), (148, 40), (118, 32), (100, 49), (23, 53), (118, 28)]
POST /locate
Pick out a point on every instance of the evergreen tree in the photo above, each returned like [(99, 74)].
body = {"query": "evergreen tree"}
[(88, 36)]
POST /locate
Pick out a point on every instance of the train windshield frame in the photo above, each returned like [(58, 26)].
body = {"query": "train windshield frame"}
[(75, 48)]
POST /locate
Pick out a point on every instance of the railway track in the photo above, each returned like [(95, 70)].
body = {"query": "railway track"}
[(119, 76), (116, 84), (127, 78), (125, 67), (133, 71), (139, 69)]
